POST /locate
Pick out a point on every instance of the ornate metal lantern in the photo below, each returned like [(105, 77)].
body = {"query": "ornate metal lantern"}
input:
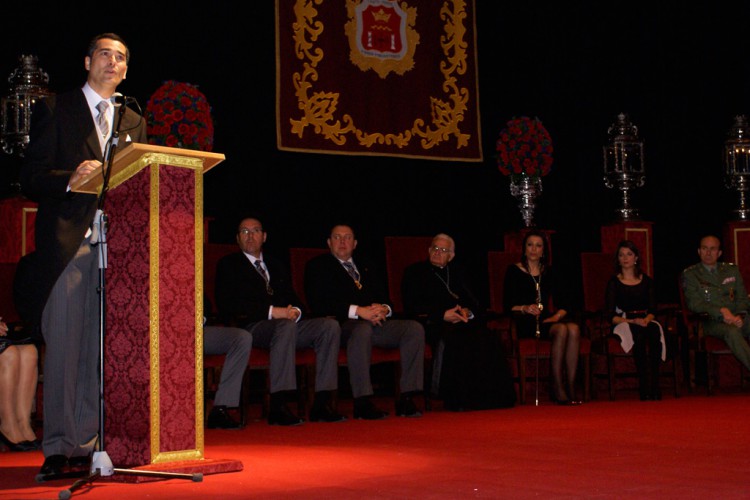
[(737, 163), (623, 163), (27, 84)]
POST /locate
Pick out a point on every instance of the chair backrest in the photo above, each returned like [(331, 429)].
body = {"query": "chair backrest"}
[(212, 253), (298, 258), (400, 252), (596, 269), (497, 265), (7, 305)]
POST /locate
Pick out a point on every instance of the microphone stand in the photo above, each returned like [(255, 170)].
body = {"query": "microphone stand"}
[(101, 464)]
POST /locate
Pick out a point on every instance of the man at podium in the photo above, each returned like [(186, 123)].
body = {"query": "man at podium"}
[(68, 136)]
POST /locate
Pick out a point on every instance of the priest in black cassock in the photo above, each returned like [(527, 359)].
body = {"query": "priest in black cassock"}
[(471, 368)]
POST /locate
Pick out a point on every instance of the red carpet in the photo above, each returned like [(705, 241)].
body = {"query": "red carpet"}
[(691, 447)]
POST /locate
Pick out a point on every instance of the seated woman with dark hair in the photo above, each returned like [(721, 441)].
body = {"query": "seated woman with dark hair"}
[(630, 303), (529, 290), (18, 379)]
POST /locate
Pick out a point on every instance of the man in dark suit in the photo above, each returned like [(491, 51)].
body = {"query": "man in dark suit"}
[(355, 294), (67, 140), (255, 290)]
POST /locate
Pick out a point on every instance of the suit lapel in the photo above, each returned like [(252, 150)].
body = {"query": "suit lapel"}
[(81, 116)]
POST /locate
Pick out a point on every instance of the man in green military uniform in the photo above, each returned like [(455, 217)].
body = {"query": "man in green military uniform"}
[(716, 289)]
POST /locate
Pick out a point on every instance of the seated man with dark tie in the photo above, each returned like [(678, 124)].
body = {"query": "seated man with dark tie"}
[(256, 289), (336, 285)]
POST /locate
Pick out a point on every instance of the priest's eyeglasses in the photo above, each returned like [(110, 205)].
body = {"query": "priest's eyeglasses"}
[(437, 249)]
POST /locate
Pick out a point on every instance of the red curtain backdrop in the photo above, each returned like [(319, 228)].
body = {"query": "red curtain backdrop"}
[(378, 77)]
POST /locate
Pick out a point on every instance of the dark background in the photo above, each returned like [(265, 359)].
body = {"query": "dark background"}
[(680, 71)]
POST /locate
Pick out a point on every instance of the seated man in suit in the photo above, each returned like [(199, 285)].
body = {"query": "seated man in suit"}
[(256, 289), (717, 290), (354, 293)]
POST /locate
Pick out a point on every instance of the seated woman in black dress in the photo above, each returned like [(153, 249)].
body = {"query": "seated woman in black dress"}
[(18, 370), (474, 373), (631, 301), (530, 290)]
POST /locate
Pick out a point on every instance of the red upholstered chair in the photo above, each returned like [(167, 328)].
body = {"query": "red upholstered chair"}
[(707, 347), (298, 258), (610, 361), (400, 253)]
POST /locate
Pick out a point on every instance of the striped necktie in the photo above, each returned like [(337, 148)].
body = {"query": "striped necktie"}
[(262, 271), (101, 118)]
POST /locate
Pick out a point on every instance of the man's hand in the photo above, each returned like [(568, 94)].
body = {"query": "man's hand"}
[(457, 314), (83, 170), (288, 312), (375, 313), (731, 319)]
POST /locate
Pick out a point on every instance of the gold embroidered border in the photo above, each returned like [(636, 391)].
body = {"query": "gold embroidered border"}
[(157, 456), (319, 106)]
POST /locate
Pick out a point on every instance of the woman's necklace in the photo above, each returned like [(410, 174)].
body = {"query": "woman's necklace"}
[(447, 281), (538, 285)]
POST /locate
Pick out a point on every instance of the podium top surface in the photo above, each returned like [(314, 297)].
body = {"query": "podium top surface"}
[(133, 152)]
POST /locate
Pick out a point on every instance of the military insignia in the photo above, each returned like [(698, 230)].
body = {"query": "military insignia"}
[(382, 36)]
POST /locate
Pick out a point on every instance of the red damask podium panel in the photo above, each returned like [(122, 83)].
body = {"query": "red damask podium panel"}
[(639, 232), (153, 354), (736, 247)]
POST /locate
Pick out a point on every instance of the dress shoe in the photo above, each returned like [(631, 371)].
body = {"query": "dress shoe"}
[(20, 446), (53, 465), (80, 462), (283, 416), (325, 414), (405, 407), (364, 409), (219, 418)]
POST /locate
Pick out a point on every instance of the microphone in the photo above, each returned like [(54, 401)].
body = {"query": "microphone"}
[(119, 100)]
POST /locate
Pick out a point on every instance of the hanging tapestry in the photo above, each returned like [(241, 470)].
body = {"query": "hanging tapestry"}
[(378, 77)]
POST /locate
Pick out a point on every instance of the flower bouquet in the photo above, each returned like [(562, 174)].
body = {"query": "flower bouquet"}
[(178, 115), (524, 148)]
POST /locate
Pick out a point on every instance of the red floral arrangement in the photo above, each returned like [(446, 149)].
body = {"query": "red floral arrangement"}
[(178, 116), (524, 148)]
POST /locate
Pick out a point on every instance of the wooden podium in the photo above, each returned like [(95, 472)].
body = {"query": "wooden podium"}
[(153, 354)]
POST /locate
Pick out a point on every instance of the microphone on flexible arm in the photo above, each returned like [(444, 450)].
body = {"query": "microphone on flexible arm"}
[(119, 100)]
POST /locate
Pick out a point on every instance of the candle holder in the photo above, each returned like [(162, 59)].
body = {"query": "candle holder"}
[(737, 164), (27, 84), (623, 163)]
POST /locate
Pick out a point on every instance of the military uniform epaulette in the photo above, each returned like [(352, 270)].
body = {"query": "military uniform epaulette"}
[(693, 267)]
